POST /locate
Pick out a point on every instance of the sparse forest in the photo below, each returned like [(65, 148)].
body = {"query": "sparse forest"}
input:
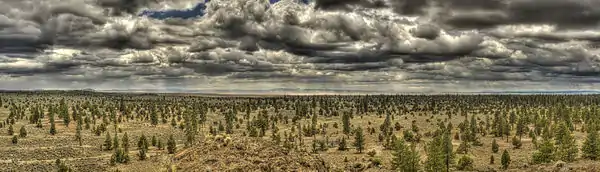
[(93, 131)]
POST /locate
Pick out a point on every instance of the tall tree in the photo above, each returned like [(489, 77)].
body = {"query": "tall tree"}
[(473, 129), (52, 125), (405, 158), (438, 158), (346, 123), (591, 145), (505, 159), (359, 140), (567, 150), (22, 132), (171, 145), (495, 146), (545, 152), (108, 145)]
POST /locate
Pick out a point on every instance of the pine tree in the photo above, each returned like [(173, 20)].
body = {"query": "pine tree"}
[(52, 125), (492, 159), (520, 127), (171, 145), (66, 118), (436, 157), (448, 147), (142, 147), (346, 123), (506, 129), (495, 146), (125, 141), (342, 146), (465, 163), (591, 145), (359, 140), (22, 132), (115, 143), (173, 122), (516, 142), (473, 129), (159, 145), (505, 159), (15, 140), (107, 142), (153, 140), (11, 131), (404, 158), (544, 153), (143, 142), (567, 150), (154, 117), (125, 145), (78, 133), (313, 125), (142, 154)]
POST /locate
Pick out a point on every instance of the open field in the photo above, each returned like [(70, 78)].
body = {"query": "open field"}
[(297, 133)]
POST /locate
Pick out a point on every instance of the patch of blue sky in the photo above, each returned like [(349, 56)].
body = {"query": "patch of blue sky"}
[(197, 11)]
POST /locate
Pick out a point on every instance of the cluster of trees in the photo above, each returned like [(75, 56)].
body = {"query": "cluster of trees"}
[(550, 125)]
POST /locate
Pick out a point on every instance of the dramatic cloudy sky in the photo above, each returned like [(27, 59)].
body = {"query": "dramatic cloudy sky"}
[(385, 45)]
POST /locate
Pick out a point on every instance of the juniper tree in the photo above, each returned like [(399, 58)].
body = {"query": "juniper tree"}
[(495, 146), (229, 120), (405, 158), (142, 147), (465, 163), (15, 140), (143, 142), (591, 145), (346, 123), (119, 155), (439, 157), (516, 142), (567, 149), (107, 142), (313, 125), (435, 155), (52, 125), (78, 134), (153, 117), (125, 141), (11, 131), (473, 129), (171, 145), (125, 148), (505, 159), (115, 143), (22, 132), (520, 130), (387, 123), (359, 140), (463, 148), (342, 145), (159, 145), (173, 123), (544, 152)]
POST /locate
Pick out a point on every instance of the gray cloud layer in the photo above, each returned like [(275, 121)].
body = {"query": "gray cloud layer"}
[(89, 43)]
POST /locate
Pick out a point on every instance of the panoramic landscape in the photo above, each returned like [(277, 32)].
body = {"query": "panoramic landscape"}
[(95, 131), (299, 85)]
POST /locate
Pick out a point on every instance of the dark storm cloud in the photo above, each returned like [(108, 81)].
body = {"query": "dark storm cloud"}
[(338, 42), (489, 13), (121, 6)]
